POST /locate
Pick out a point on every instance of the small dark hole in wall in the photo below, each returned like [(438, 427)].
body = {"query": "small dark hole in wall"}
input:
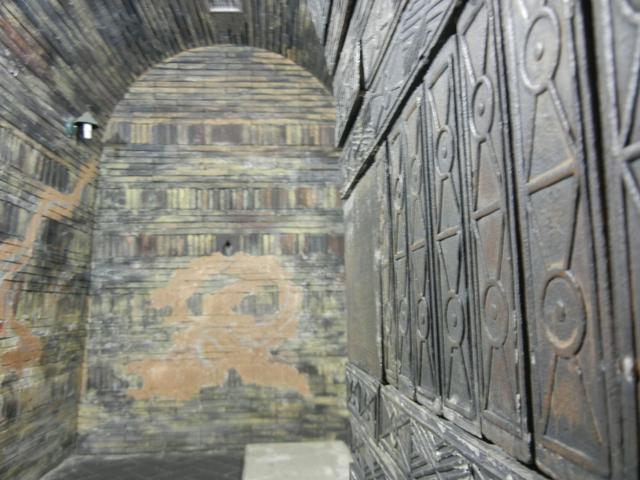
[(227, 249)]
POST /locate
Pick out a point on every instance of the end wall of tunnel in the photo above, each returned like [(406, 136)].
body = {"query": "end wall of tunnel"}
[(217, 307), (490, 185)]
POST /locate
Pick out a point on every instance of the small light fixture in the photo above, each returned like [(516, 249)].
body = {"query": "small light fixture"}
[(82, 127)]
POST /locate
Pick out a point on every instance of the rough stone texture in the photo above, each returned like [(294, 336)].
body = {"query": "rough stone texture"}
[(221, 148), (502, 137), (393, 437)]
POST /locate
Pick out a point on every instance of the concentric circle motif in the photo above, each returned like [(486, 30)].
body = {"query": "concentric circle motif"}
[(445, 150), (424, 322), (482, 107), (541, 50), (564, 313), (455, 320), (496, 314)]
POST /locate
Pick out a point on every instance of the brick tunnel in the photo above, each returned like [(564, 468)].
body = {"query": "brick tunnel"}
[(319, 239)]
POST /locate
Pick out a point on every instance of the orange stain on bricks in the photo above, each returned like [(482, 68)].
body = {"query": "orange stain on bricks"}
[(226, 330), (14, 256)]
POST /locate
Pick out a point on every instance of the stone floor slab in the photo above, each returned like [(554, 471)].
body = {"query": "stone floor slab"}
[(297, 461)]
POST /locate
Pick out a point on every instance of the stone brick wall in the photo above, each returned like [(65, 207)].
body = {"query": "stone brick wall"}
[(46, 208), (217, 311)]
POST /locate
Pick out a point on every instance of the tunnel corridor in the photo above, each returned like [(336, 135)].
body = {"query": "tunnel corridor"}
[(235, 229)]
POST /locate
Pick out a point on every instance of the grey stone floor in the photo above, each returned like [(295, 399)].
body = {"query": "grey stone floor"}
[(297, 461), (191, 466)]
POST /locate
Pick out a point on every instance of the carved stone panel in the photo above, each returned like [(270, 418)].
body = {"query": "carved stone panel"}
[(415, 34), (377, 34), (348, 81), (338, 24), (554, 163), (494, 257), (411, 42), (319, 11), (413, 443), (397, 147), (619, 55), (347, 86), (362, 399), (362, 264), (385, 283), (365, 465), (433, 457), (424, 331), (396, 432), (451, 287), (419, 448)]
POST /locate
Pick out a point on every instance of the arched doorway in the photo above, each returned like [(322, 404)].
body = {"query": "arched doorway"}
[(216, 313)]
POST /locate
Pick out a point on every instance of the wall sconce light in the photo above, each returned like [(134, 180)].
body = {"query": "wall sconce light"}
[(82, 127)]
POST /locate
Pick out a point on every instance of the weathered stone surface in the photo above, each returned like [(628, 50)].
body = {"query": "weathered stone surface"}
[(560, 220), (416, 34), (319, 11), (46, 203), (618, 33), (490, 174), (57, 60), (496, 290), (494, 148), (337, 29), (362, 212), (411, 442), (217, 303)]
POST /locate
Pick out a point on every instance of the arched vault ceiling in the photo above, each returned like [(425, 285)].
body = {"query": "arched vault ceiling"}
[(61, 57)]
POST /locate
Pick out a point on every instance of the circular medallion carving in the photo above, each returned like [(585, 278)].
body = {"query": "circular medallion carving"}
[(541, 50), (455, 320), (444, 150), (424, 323), (496, 314), (482, 107), (564, 313)]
